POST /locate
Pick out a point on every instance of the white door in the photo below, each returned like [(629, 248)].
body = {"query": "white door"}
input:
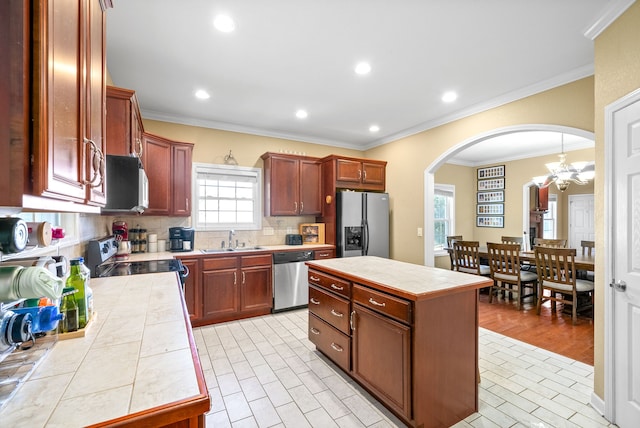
[(581, 220), (624, 132)]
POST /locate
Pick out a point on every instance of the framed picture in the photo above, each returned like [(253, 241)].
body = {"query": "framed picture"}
[(491, 183), (489, 221), (491, 172), (494, 196), (490, 209)]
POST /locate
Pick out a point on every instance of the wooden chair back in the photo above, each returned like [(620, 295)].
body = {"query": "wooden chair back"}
[(466, 258), (450, 240), (587, 247), (557, 274), (551, 243), (512, 240), (506, 272)]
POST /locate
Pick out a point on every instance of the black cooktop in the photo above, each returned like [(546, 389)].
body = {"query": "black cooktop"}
[(138, 267)]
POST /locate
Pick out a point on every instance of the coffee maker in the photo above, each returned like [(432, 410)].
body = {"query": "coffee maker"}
[(181, 238)]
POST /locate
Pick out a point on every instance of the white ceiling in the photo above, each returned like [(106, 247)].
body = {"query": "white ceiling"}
[(292, 54)]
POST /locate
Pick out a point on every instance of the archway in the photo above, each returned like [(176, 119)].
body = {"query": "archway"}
[(442, 159)]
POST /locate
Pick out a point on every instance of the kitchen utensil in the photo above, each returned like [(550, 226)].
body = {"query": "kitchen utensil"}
[(14, 234)]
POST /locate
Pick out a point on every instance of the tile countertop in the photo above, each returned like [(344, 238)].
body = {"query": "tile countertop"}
[(136, 355), (411, 281)]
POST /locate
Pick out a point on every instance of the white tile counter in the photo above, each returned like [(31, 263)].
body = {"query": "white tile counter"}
[(136, 356)]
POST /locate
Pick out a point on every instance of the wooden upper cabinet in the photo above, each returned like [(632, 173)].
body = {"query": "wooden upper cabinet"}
[(55, 64), (361, 174), (181, 160), (168, 167), (292, 185), (124, 122)]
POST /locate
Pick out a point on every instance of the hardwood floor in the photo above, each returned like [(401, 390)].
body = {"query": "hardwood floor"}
[(551, 331)]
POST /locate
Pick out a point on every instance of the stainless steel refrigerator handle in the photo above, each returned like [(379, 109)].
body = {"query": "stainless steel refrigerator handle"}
[(365, 237)]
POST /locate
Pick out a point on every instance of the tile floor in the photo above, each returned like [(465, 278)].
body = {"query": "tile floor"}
[(264, 372)]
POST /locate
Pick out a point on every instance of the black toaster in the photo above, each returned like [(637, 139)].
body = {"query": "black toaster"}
[(293, 239)]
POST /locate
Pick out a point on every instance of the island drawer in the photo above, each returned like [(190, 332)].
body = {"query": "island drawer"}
[(330, 308), (220, 263), (330, 342), (384, 303), (331, 283)]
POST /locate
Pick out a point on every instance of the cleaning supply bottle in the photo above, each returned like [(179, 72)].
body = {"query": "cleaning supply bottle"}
[(86, 272), (69, 311), (76, 280)]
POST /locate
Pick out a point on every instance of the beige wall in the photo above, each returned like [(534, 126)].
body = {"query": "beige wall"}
[(617, 70), (569, 105)]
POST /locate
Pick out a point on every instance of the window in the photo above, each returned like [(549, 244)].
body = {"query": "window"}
[(549, 219), (226, 197), (443, 214)]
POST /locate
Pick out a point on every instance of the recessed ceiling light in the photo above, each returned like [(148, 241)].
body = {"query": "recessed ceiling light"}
[(374, 128), (449, 97), (202, 94), (224, 23), (301, 114), (363, 68)]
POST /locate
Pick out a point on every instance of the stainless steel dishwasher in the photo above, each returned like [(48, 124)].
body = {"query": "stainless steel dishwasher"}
[(290, 283)]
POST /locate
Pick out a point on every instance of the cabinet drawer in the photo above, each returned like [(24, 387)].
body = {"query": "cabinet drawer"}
[(330, 308), (220, 263), (329, 282), (256, 260), (330, 342), (386, 304), (323, 254)]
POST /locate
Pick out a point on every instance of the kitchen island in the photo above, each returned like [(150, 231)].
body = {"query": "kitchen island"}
[(407, 333), (137, 364)]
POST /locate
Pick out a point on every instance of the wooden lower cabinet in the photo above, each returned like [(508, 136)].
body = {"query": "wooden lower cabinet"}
[(235, 287), (418, 357), (192, 290), (381, 351)]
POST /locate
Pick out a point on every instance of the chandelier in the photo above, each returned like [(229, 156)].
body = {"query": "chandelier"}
[(564, 174)]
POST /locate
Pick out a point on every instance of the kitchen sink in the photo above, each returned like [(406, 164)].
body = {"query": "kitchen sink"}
[(231, 250)]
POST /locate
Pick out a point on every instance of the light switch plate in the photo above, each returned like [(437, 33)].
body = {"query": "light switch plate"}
[(419, 231)]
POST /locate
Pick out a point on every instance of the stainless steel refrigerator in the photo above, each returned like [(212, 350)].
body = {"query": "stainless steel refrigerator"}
[(362, 224)]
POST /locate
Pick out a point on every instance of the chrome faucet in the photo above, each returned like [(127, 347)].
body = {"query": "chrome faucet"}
[(231, 233)]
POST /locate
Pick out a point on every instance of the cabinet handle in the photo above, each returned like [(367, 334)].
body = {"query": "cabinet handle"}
[(352, 323), (97, 160), (365, 174), (243, 277), (335, 287), (314, 301), (139, 152), (188, 204), (336, 314), (315, 330), (323, 254), (373, 302), (295, 207), (336, 347), (301, 207), (235, 278), (359, 174), (313, 278)]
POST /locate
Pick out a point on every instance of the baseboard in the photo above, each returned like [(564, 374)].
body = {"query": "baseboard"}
[(597, 403)]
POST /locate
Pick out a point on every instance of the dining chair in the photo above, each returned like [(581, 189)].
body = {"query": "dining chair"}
[(588, 248), (450, 240), (507, 273), (552, 243), (557, 275), (467, 260)]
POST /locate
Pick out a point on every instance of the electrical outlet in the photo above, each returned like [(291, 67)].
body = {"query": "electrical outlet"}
[(267, 231), (419, 231), (289, 229)]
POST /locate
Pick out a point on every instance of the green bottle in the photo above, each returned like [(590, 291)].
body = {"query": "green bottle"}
[(69, 309), (76, 280)]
